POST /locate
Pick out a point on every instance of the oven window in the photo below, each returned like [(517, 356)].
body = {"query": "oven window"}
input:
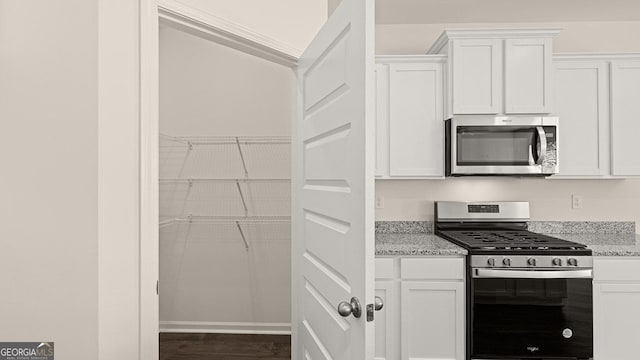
[(492, 145), (532, 318)]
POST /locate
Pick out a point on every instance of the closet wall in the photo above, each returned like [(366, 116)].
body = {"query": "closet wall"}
[(225, 117)]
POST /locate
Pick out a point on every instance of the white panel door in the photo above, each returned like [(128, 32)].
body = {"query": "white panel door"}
[(625, 117), (527, 76), (477, 78), (433, 322), (333, 188), (582, 103), (416, 124)]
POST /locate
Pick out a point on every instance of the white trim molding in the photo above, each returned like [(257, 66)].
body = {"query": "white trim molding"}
[(225, 327), (410, 59), (199, 23), (501, 33), (595, 56), (149, 38)]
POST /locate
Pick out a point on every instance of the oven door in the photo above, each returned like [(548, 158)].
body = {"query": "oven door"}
[(524, 314), (503, 146)]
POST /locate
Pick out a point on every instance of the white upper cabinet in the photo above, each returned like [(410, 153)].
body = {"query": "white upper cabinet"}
[(410, 122), (527, 76), (497, 72), (597, 99), (582, 103), (625, 117), (476, 76), (382, 120)]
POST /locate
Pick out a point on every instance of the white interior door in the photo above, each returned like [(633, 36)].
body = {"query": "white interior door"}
[(333, 188)]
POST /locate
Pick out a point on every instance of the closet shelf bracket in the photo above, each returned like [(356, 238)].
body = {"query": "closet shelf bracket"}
[(246, 244), (244, 164), (244, 203)]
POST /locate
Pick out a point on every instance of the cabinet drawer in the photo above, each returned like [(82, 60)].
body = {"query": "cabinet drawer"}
[(436, 268), (616, 269), (384, 268)]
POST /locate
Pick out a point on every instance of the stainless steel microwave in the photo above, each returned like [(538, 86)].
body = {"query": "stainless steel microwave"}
[(501, 145)]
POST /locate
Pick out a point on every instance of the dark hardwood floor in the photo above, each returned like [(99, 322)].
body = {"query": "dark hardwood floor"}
[(174, 346)]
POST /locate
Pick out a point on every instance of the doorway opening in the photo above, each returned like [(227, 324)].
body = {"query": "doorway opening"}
[(224, 200)]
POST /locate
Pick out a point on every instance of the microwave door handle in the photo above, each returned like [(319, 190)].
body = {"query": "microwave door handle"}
[(542, 145)]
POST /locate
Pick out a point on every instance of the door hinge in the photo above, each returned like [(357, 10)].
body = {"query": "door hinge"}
[(370, 310)]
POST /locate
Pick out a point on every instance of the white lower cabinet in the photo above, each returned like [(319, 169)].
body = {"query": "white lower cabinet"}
[(432, 320), (424, 313), (386, 321), (616, 308)]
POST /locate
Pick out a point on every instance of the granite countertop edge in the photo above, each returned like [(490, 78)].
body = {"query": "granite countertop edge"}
[(416, 238), (415, 244)]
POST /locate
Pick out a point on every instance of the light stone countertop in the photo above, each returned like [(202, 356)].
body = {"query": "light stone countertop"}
[(604, 238), (415, 244), (607, 244)]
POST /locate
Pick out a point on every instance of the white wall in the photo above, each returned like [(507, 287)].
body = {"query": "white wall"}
[(209, 89), (604, 36), (293, 22), (69, 187), (210, 282), (49, 181), (550, 199)]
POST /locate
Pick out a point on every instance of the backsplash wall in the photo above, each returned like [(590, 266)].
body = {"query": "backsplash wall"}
[(550, 199)]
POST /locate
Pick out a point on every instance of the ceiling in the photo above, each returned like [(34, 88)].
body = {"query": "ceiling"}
[(507, 11)]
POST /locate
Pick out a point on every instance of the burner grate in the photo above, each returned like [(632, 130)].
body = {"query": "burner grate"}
[(508, 239)]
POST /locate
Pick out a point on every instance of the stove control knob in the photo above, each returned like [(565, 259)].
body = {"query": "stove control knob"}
[(557, 261), (491, 262), (506, 262), (532, 262), (572, 262)]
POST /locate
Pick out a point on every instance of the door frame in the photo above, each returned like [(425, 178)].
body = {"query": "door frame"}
[(210, 27)]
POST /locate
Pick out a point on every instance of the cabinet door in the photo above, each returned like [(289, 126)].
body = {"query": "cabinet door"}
[(581, 103), (387, 321), (416, 124), (616, 315), (476, 76), (528, 74), (433, 320), (625, 117), (382, 120)]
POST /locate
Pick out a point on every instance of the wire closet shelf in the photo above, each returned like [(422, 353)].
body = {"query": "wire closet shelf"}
[(242, 181)]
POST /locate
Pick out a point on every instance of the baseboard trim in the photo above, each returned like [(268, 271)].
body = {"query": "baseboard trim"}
[(225, 327)]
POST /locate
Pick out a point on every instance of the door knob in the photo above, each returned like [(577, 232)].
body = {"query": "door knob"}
[(379, 303), (350, 308)]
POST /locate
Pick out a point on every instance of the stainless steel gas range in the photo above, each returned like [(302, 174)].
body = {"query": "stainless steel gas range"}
[(529, 296)]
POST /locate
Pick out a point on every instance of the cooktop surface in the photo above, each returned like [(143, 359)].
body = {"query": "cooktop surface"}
[(507, 240)]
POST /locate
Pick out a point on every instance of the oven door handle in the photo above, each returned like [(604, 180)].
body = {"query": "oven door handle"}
[(533, 274)]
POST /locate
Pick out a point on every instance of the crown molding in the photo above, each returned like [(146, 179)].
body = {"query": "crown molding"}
[(491, 33), (214, 28), (595, 56), (410, 58)]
